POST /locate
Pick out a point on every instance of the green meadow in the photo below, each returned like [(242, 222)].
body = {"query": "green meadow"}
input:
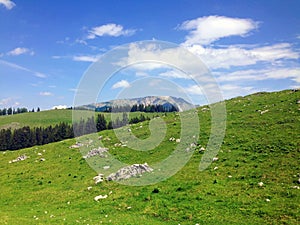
[(254, 180)]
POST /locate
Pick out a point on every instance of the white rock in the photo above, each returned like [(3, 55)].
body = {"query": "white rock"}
[(97, 198), (263, 112), (134, 170), (216, 168), (178, 140), (215, 159), (101, 152), (193, 145), (89, 188), (260, 184), (99, 178), (40, 154), (268, 200)]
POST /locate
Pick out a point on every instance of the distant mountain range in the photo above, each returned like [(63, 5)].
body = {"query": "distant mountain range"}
[(165, 101)]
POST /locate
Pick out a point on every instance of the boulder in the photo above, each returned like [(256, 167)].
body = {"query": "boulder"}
[(96, 151), (130, 171)]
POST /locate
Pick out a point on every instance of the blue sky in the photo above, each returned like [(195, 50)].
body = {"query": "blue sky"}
[(47, 46)]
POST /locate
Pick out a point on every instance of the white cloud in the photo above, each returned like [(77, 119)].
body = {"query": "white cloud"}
[(8, 4), (274, 52), (45, 93), (205, 30), (15, 66), (261, 74), (148, 56), (175, 74), (194, 90), (73, 89), (5, 101), (59, 107), (121, 84), (9, 102), (231, 90), (20, 51), (141, 74), (236, 56), (86, 58), (110, 29)]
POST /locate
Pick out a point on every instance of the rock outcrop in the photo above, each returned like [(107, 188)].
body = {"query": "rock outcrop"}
[(127, 172)]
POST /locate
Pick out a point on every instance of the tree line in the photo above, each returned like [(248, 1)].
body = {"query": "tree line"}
[(27, 137), (139, 108), (12, 111)]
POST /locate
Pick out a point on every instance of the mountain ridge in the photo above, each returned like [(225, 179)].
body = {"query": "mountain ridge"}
[(166, 101)]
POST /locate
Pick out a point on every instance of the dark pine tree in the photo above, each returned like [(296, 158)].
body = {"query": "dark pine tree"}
[(101, 123)]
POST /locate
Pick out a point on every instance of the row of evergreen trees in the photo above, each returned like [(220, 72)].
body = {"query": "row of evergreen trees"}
[(27, 137), (12, 111), (139, 108)]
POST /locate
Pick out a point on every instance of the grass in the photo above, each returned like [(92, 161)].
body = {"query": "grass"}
[(257, 148), (51, 117)]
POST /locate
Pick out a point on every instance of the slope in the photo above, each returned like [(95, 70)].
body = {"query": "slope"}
[(261, 145)]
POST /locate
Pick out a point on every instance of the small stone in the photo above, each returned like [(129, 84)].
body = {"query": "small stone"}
[(99, 178), (97, 198), (260, 184)]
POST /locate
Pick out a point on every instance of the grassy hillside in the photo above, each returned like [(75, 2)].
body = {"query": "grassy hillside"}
[(36, 119), (46, 118), (261, 145)]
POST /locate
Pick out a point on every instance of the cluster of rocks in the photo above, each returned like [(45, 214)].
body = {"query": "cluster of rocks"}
[(96, 152), (120, 145), (20, 158), (99, 178), (130, 171), (174, 139)]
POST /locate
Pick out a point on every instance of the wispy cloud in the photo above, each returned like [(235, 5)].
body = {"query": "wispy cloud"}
[(230, 56), (20, 51), (121, 84), (8, 4), (45, 93), (205, 30), (261, 74), (86, 58), (18, 67), (110, 29), (175, 74), (9, 102)]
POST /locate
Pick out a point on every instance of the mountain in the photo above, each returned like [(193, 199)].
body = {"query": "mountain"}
[(165, 101)]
